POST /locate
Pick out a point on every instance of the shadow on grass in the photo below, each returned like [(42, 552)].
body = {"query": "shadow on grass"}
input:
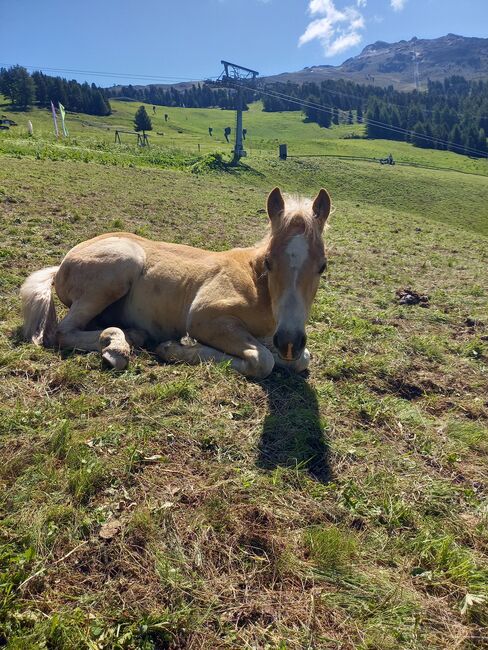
[(16, 336), (293, 435), (214, 162)]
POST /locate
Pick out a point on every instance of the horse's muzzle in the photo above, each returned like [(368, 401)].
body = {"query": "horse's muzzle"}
[(290, 345)]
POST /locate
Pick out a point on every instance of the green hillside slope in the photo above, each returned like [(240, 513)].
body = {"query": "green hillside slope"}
[(187, 130)]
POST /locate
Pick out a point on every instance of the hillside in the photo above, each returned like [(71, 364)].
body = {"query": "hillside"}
[(173, 507), (92, 138), (392, 63)]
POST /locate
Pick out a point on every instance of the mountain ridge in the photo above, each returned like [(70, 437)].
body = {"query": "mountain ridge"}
[(389, 64), (386, 64)]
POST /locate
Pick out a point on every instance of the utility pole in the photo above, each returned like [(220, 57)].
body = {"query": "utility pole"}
[(237, 78), (239, 151)]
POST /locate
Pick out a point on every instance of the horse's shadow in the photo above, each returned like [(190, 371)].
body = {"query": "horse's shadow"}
[(293, 435)]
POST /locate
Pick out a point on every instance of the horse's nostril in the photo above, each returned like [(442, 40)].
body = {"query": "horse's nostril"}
[(289, 344)]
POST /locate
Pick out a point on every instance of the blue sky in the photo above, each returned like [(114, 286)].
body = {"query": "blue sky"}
[(186, 39)]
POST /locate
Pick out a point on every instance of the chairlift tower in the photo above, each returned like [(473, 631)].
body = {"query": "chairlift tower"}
[(237, 78)]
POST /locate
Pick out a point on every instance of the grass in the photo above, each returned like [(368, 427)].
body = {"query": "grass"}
[(330, 549), (92, 138), (343, 510)]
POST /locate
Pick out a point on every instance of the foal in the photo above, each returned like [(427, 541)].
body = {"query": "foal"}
[(229, 303)]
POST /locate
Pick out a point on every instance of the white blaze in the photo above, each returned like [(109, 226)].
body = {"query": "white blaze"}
[(297, 251), (292, 311)]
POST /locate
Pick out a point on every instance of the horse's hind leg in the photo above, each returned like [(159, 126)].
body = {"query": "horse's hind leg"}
[(94, 276), (115, 347), (111, 342)]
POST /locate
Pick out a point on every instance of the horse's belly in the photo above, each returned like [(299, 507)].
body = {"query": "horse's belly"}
[(158, 309)]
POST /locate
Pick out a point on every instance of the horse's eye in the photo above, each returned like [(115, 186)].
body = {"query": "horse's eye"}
[(267, 263), (322, 268)]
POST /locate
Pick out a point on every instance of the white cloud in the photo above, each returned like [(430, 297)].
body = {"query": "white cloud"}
[(398, 5), (336, 29)]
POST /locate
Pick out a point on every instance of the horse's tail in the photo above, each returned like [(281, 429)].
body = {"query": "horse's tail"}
[(40, 320)]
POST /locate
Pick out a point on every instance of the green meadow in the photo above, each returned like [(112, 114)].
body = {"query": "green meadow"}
[(170, 506), (187, 130)]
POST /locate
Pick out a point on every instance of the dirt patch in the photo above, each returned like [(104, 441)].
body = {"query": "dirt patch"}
[(409, 296)]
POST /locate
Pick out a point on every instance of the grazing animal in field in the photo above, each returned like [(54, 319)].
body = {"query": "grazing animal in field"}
[(194, 304)]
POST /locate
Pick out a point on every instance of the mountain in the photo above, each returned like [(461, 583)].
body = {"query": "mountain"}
[(394, 63)]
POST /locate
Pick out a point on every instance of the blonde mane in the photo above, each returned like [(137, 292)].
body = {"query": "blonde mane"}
[(298, 211)]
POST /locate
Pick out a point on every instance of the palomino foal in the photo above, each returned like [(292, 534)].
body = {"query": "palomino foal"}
[(230, 304)]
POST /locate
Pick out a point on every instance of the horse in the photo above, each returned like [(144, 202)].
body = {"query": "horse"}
[(245, 306)]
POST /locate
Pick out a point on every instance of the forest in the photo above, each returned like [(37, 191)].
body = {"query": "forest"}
[(25, 90)]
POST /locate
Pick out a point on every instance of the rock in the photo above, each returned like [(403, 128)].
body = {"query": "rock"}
[(110, 529)]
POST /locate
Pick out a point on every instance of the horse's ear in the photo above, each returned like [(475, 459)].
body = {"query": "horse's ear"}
[(321, 207), (275, 205)]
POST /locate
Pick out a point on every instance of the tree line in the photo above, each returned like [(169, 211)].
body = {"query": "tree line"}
[(195, 96), (25, 90), (451, 114)]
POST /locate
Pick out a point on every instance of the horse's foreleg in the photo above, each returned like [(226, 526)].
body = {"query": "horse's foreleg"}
[(195, 353), (224, 339), (256, 363), (298, 365)]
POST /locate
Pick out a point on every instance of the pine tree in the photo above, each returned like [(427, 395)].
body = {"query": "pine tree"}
[(311, 112), (373, 130), (41, 88), (350, 118), (98, 106), (58, 91), (26, 89), (335, 116), (482, 145), (359, 114), (324, 118), (75, 100), (142, 121), (395, 122), (442, 137), (18, 86), (418, 133), (455, 139)]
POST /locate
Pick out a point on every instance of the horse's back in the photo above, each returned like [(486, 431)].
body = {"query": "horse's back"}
[(107, 263), (152, 283)]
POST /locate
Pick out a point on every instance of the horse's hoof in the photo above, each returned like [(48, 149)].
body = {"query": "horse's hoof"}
[(114, 348), (136, 338), (303, 362), (166, 351), (115, 359)]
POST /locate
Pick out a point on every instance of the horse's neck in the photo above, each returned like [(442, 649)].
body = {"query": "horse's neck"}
[(260, 276)]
